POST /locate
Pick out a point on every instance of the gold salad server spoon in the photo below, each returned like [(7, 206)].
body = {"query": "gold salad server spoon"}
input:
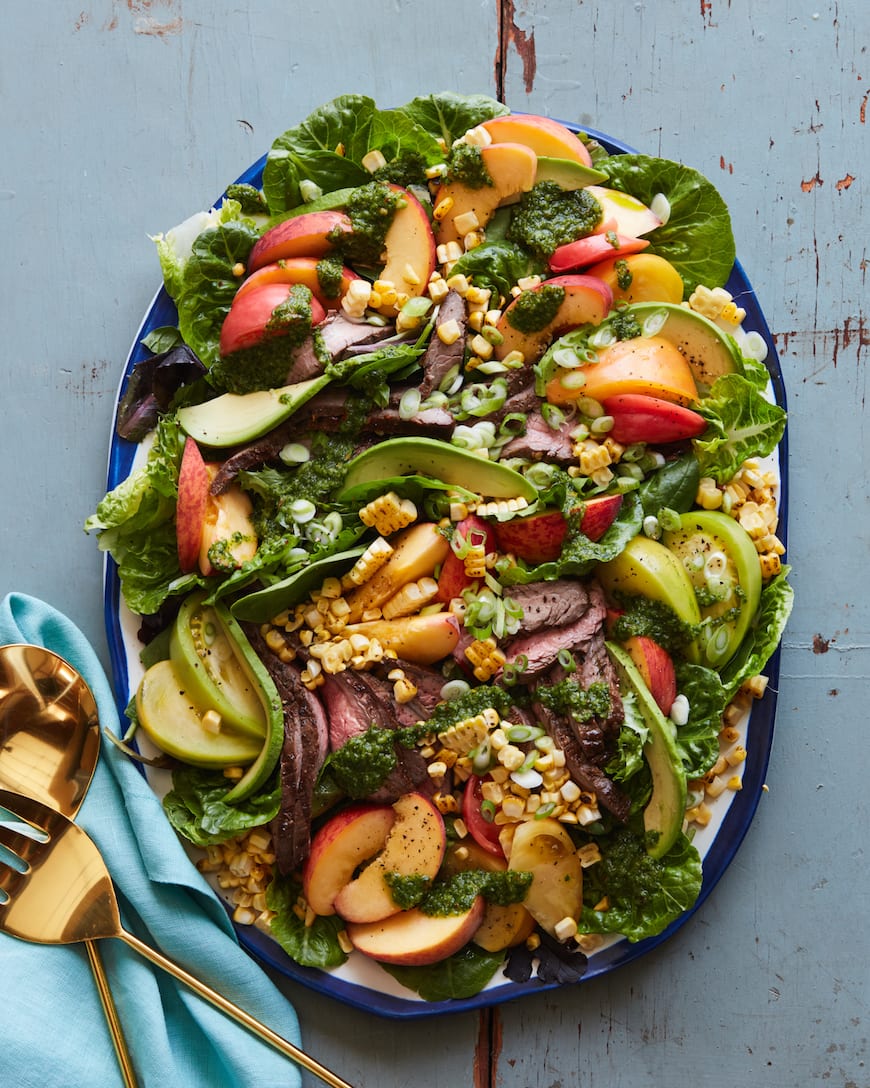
[(49, 745), (63, 894)]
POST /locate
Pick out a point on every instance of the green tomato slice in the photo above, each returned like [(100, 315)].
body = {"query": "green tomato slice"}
[(646, 568), (215, 669), (722, 564)]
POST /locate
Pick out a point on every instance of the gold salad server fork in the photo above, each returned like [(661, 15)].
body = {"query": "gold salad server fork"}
[(49, 745), (63, 894)]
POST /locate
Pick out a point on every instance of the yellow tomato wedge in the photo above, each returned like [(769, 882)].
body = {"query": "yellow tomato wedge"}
[(650, 278)]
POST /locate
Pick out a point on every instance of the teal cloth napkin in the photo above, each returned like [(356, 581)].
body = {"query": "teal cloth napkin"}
[(53, 1032)]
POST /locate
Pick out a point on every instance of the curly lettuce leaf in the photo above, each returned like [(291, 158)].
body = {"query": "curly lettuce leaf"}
[(742, 423), (448, 116), (174, 248), (697, 238), (698, 740)]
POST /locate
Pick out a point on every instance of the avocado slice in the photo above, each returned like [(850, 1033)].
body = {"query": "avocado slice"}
[(567, 174), (709, 351), (429, 457), (233, 418), (328, 202), (663, 815), (265, 603)]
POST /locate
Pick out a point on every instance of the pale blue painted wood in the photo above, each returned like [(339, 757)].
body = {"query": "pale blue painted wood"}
[(120, 119)]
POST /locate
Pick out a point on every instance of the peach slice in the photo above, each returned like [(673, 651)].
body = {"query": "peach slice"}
[(587, 301), (594, 248), (651, 278), (304, 235), (227, 522), (414, 846), (656, 668), (250, 313), (649, 365), (539, 538), (417, 551), (190, 511), (632, 217), (545, 849), (511, 166), (416, 939), (543, 135), (422, 639), (341, 845), (298, 270), (409, 247)]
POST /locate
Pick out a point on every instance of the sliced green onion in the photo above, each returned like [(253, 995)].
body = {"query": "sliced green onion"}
[(453, 689), (567, 358), (528, 779), (514, 423), (409, 404), (574, 379), (487, 811), (523, 734), (590, 407), (653, 325), (302, 511), (554, 417), (669, 520), (566, 660), (545, 810), (418, 306), (294, 453)]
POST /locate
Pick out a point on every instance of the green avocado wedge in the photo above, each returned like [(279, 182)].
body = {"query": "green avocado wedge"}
[(265, 603), (567, 174), (429, 457), (663, 815), (709, 351), (233, 418)]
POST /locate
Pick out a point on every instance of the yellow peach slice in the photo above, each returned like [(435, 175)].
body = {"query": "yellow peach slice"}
[(409, 247), (512, 168), (649, 365), (542, 134)]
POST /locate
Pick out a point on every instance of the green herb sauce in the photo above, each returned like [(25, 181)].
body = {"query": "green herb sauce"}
[(534, 310), (467, 167), (569, 697), (362, 763), (457, 895), (329, 275), (251, 200), (371, 209), (550, 216), (625, 326), (652, 619), (407, 891), (624, 277)]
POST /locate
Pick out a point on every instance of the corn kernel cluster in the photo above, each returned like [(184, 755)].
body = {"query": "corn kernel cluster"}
[(242, 867), (750, 498)]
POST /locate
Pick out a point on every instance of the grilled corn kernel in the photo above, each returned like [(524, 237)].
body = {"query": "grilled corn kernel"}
[(465, 222), (449, 331), (410, 598), (388, 513), (374, 160)]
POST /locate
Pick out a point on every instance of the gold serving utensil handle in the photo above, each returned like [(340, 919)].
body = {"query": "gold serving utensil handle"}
[(125, 1063)]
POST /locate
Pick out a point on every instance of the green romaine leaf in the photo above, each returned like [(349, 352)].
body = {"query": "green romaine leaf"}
[(311, 946), (743, 422), (208, 285), (463, 974), (196, 809), (174, 248), (497, 266), (697, 238), (628, 759), (645, 894), (698, 739), (763, 637), (448, 116)]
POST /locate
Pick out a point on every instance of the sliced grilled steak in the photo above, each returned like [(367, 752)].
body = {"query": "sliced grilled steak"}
[(337, 335), (306, 742), (541, 441), (550, 604), (440, 358), (541, 649)]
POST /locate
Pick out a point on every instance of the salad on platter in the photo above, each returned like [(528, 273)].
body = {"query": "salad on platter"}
[(448, 542)]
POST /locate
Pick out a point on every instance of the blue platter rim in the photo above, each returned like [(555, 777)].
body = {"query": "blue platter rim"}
[(760, 730)]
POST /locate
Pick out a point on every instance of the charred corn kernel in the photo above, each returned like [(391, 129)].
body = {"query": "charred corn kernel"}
[(477, 137), (478, 296), (603, 903), (533, 942), (449, 331), (733, 713), (437, 290), (601, 477), (459, 283), (374, 160), (388, 513), (446, 803), (589, 942), (528, 282), (437, 769), (735, 756), (514, 360), (492, 791), (443, 208), (533, 803), (436, 171), (513, 808), (475, 322), (331, 588), (466, 221), (755, 686), (502, 506), (717, 786), (511, 757), (614, 448), (447, 756), (404, 691), (499, 775), (472, 240), (410, 598), (735, 783), (461, 832), (368, 564), (344, 942), (474, 561), (447, 252), (498, 740), (587, 814), (544, 763), (464, 736), (592, 457), (729, 734), (770, 543), (589, 854), (751, 520), (356, 298), (570, 792), (708, 496), (481, 347), (211, 721), (275, 640), (565, 929), (770, 564), (244, 916)]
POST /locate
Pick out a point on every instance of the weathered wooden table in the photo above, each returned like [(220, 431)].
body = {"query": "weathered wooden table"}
[(121, 118)]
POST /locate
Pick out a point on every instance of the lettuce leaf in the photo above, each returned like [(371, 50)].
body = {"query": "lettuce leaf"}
[(316, 945), (697, 238), (463, 974), (196, 809), (497, 266), (763, 637), (175, 247), (698, 739), (645, 894), (742, 423), (328, 147), (447, 116)]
